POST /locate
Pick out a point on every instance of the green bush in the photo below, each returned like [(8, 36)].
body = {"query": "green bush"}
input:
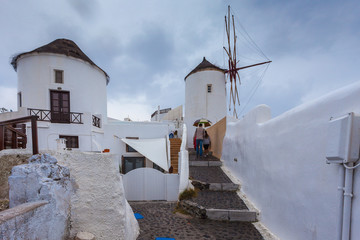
[(187, 194)]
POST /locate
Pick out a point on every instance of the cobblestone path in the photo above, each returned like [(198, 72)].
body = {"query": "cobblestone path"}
[(161, 221)]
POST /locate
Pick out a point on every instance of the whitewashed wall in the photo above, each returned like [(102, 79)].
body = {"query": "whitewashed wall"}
[(90, 137), (282, 167), (98, 204), (115, 130), (183, 163), (201, 104), (86, 83)]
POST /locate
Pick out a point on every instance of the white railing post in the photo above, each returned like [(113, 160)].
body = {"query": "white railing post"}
[(183, 163)]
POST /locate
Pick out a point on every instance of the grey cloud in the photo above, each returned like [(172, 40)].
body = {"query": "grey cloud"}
[(154, 47), (87, 9)]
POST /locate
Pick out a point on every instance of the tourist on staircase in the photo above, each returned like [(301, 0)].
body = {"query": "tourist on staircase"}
[(199, 135), (206, 143)]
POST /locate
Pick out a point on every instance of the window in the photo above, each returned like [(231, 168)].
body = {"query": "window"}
[(71, 141), (59, 76), (128, 148), (19, 99), (157, 167), (130, 163), (209, 88)]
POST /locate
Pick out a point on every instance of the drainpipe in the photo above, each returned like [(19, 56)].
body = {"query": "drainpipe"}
[(346, 225), (341, 201)]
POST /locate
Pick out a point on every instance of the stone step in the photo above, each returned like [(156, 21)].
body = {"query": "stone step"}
[(205, 163), (231, 215), (215, 186)]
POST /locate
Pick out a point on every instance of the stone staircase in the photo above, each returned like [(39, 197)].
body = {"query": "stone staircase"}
[(216, 194), (175, 144)]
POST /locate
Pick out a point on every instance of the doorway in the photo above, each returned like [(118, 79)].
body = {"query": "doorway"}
[(60, 106)]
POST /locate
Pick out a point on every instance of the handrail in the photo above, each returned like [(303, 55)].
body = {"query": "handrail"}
[(16, 131), (45, 115), (34, 132)]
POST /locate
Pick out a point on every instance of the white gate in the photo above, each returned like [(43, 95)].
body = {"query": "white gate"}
[(145, 184)]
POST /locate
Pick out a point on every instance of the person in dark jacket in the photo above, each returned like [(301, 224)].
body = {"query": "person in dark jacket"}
[(206, 143)]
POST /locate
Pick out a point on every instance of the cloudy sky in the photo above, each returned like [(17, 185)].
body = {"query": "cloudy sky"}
[(148, 47)]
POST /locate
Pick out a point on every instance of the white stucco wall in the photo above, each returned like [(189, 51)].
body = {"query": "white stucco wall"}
[(86, 83), (282, 167), (201, 104), (115, 130), (98, 205), (90, 137)]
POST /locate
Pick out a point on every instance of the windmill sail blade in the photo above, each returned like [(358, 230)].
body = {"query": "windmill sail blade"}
[(231, 52)]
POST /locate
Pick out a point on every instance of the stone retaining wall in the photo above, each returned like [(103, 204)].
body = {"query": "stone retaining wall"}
[(39, 201), (23, 222), (98, 205), (9, 159)]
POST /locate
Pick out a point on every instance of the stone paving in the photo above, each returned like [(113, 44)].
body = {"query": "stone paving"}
[(192, 156), (209, 174), (216, 200), (161, 221), (213, 199)]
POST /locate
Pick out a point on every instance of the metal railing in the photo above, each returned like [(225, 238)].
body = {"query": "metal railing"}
[(96, 121), (48, 116)]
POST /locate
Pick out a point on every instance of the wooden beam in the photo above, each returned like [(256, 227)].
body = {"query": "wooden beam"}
[(34, 135), (257, 64), (2, 140), (16, 131)]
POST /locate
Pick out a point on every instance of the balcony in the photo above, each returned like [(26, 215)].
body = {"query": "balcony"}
[(96, 121), (56, 117)]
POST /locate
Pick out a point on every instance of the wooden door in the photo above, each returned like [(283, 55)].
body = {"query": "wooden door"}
[(60, 106)]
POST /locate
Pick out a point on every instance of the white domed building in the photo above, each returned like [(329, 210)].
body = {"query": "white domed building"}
[(66, 90), (61, 78), (205, 96)]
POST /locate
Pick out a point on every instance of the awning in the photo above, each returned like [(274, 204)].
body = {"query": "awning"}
[(154, 149)]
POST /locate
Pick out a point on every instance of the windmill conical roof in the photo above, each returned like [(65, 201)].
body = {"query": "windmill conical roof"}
[(205, 65), (60, 46)]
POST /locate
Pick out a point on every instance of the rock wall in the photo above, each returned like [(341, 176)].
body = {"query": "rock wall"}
[(45, 181), (9, 159), (98, 205)]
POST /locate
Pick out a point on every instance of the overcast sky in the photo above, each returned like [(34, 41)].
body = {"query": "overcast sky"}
[(148, 47)]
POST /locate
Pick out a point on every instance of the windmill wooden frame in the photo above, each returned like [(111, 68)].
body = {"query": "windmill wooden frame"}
[(232, 72)]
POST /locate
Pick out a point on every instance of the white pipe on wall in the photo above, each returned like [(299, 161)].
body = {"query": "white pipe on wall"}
[(341, 201), (347, 202)]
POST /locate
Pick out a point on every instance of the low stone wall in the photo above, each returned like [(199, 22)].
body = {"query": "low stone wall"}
[(39, 201), (92, 198), (215, 186), (98, 205), (193, 209), (23, 221), (9, 159)]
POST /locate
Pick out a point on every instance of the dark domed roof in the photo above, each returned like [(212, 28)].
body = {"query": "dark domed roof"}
[(60, 46), (205, 65)]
